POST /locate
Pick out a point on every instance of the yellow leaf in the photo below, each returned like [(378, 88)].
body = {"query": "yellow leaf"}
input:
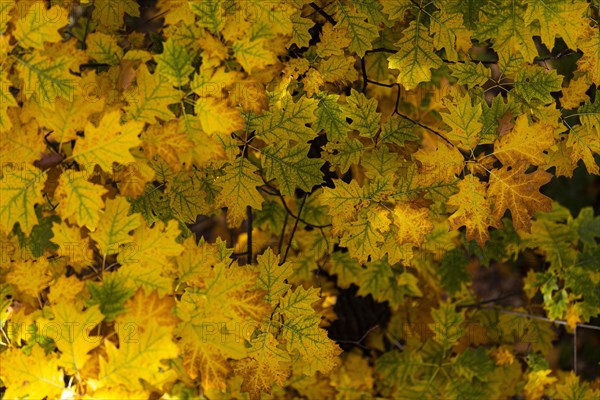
[(110, 13), (514, 190), (537, 382), (574, 94), (413, 224), (36, 376), (582, 143), (72, 331), (525, 143), (170, 144), (504, 357), (572, 316), (473, 210), (23, 143), (151, 97), (266, 365), (463, 118), (139, 355), (79, 198), (216, 117), (239, 190), (73, 245), (152, 248), (65, 290), (109, 142), (590, 61), (39, 25), (20, 189), (252, 54), (115, 225), (147, 307), (30, 277)]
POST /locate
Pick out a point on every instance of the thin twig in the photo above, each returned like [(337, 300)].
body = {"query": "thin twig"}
[(287, 249), (494, 300), (287, 209), (328, 17), (87, 25), (280, 244), (249, 234)]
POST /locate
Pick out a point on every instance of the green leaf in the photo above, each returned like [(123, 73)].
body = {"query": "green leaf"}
[(331, 118), (363, 112), (111, 294), (503, 23), (453, 270), (300, 30), (175, 63), (463, 118), (397, 130), (210, 14), (361, 32), (344, 154), (272, 276), (187, 199), (415, 57), (45, 78), (470, 74), (536, 82), (447, 325), (286, 120), (291, 167), (473, 363)]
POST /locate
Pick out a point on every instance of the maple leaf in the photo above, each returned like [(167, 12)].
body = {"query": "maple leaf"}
[(360, 32), (36, 26), (536, 383), (363, 113), (110, 13), (474, 210), (6, 100), (504, 23), (286, 119), (412, 224), (153, 95), (45, 78), (239, 190), (557, 19), (415, 57), (330, 118), (291, 167), (21, 189), (109, 142), (524, 143), (73, 327), (37, 375), (267, 364), (217, 117), (79, 198), (583, 143), (114, 226), (175, 62), (21, 143), (463, 118), (512, 189), (138, 356)]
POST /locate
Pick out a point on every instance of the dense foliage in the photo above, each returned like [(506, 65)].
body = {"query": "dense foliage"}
[(191, 191)]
